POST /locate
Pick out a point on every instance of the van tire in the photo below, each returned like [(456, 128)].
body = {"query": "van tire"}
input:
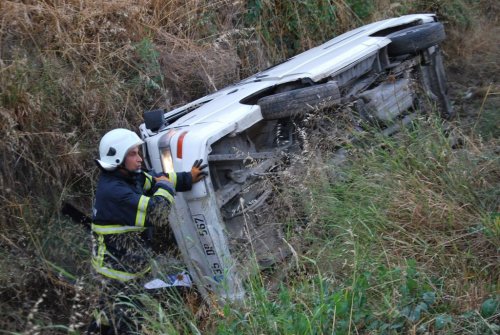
[(438, 84), (299, 101), (412, 40)]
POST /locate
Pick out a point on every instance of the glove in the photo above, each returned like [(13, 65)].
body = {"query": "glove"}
[(196, 171)]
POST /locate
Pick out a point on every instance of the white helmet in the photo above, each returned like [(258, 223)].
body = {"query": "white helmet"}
[(114, 146)]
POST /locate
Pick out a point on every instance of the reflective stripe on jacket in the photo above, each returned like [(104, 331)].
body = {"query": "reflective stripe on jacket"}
[(123, 220)]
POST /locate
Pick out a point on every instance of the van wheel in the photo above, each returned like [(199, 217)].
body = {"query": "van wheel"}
[(299, 101), (412, 40), (435, 81)]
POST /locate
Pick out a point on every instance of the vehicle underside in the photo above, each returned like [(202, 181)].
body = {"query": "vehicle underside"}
[(386, 90)]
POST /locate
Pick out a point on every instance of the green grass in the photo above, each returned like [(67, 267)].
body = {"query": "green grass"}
[(390, 246)]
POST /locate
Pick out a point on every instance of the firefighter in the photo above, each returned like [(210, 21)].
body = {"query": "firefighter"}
[(129, 203)]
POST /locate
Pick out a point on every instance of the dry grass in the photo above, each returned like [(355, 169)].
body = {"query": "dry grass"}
[(71, 70), (473, 47)]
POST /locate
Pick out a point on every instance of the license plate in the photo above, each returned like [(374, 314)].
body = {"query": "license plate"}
[(208, 247)]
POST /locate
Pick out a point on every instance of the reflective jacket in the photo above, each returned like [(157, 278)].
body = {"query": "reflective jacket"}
[(126, 208)]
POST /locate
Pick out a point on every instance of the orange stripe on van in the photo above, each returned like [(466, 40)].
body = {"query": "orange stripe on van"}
[(180, 141)]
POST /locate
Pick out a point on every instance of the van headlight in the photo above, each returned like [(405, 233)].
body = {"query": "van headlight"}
[(165, 153), (166, 160)]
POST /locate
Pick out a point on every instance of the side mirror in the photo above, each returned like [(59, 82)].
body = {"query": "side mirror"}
[(154, 119)]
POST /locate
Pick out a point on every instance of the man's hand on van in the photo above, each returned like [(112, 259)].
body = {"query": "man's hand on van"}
[(197, 172)]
